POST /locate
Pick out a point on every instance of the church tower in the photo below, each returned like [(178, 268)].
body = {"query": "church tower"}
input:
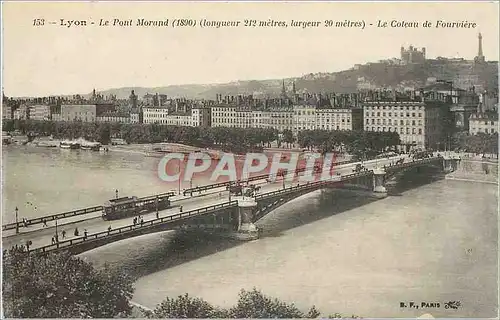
[(283, 89)]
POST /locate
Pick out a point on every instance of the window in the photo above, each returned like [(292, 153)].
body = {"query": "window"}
[(419, 131)]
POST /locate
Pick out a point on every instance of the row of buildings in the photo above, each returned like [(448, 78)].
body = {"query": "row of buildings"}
[(417, 116)]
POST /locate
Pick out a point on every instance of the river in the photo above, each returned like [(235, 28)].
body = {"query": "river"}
[(337, 250)]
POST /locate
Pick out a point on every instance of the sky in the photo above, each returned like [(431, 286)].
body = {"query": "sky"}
[(54, 59)]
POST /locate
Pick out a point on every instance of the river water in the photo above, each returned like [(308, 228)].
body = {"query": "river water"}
[(340, 251)]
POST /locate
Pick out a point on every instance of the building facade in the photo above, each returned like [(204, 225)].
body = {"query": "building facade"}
[(78, 112), (418, 122), (20, 113), (117, 117), (339, 119), (39, 112), (155, 115), (201, 117), (6, 111), (483, 123)]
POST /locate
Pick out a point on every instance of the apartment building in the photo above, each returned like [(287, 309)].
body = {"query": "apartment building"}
[(85, 112), (417, 122), (308, 113), (201, 117), (155, 114), (21, 113), (483, 123), (117, 117), (39, 112), (304, 117), (339, 119)]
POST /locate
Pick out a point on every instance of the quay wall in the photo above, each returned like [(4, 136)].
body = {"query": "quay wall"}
[(476, 170)]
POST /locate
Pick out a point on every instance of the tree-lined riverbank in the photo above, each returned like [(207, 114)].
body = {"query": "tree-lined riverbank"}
[(237, 140)]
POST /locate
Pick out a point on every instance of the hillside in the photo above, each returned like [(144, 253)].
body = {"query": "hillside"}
[(381, 74)]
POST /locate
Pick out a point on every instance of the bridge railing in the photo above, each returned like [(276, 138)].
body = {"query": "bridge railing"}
[(312, 185), (143, 226), (52, 217), (68, 214), (342, 178), (159, 196), (412, 163), (250, 179)]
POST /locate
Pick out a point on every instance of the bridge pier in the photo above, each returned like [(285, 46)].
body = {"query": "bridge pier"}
[(246, 229), (379, 191)]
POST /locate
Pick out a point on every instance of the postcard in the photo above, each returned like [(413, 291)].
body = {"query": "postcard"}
[(250, 159)]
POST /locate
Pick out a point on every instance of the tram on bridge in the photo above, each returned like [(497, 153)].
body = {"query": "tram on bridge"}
[(124, 207)]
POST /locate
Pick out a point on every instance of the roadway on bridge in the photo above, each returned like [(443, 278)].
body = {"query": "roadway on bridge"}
[(42, 236)]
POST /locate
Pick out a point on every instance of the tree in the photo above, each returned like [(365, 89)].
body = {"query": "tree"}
[(62, 286), (288, 136), (254, 304), (104, 133), (186, 307)]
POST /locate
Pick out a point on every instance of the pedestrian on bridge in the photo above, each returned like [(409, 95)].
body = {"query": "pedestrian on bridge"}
[(180, 208), (63, 234), (135, 221), (85, 234), (76, 233), (157, 215), (142, 221), (44, 223), (109, 229), (53, 240)]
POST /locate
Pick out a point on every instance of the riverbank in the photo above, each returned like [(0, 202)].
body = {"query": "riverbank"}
[(476, 170)]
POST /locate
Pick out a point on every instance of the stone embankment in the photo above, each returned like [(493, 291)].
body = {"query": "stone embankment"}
[(476, 170)]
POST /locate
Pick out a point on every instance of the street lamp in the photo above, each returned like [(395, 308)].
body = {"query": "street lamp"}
[(57, 234), (17, 223), (180, 171), (156, 202)]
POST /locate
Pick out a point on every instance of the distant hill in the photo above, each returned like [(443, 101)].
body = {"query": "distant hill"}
[(381, 74)]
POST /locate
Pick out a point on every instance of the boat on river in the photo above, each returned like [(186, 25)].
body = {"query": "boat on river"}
[(69, 145), (47, 144), (94, 146)]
